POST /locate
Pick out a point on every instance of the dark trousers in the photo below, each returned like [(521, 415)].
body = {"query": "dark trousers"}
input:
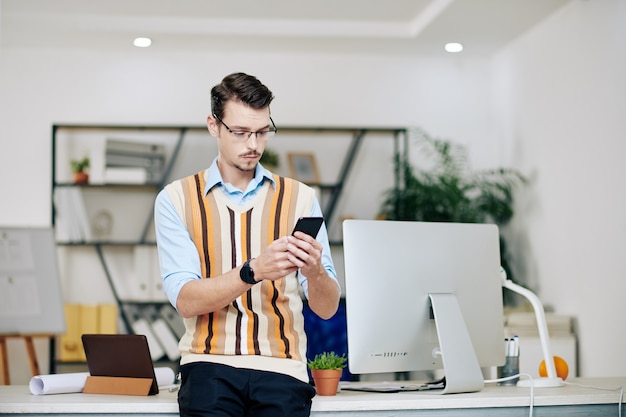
[(209, 389)]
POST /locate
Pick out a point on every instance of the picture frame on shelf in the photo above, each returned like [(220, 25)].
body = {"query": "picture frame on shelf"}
[(303, 167)]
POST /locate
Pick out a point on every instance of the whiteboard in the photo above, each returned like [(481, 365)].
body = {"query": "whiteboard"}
[(30, 286)]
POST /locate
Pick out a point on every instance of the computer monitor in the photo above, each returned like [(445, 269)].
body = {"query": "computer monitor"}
[(424, 296)]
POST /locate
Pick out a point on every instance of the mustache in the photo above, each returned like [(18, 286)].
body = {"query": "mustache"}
[(251, 154)]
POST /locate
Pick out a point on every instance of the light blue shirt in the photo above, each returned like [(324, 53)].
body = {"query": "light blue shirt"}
[(177, 253)]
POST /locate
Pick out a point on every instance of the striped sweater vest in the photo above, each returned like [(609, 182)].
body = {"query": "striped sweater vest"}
[(266, 320)]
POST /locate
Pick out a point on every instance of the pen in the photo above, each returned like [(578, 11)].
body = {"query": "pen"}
[(511, 346)]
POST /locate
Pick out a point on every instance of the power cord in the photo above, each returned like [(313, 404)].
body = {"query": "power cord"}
[(516, 376), (620, 389), (532, 390)]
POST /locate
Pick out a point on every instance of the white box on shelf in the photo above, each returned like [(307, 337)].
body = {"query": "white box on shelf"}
[(125, 175)]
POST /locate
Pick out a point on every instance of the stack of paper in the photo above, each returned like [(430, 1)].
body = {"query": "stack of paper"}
[(525, 324), (133, 162)]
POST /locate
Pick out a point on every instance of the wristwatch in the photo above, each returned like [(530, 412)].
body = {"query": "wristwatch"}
[(247, 274)]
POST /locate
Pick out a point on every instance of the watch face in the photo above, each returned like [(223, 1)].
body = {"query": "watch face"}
[(247, 274)]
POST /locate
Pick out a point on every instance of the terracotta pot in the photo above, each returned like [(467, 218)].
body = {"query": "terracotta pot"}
[(326, 380), (81, 177)]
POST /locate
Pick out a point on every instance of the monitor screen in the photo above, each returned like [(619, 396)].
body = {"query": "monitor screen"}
[(424, 296)]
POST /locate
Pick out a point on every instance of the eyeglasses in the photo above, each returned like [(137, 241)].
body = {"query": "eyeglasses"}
[(244, 135)]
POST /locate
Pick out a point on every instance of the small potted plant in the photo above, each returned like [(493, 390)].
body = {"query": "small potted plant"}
[(79, 168), (326, 369)]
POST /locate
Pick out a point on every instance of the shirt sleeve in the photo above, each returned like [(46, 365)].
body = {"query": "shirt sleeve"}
[(178, 256)]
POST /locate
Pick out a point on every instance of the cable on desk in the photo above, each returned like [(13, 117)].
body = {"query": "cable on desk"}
[(532, 394), (532, 388), (620, 389)]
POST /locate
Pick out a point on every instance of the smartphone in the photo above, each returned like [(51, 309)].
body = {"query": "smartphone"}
[(309, 225)]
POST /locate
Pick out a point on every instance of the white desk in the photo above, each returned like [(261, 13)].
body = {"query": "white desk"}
[(492, 400)]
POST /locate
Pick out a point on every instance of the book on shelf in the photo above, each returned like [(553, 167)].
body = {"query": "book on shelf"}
[(72, 222), (70, 347), (107, 318), (83, 319), (173, 319), (162, 332), (145, 283), (166, 338), (141, 325)]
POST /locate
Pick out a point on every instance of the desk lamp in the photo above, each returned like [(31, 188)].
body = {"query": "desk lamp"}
[(552, 380)]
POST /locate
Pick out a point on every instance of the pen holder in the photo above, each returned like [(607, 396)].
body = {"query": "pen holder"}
[(510, 368)]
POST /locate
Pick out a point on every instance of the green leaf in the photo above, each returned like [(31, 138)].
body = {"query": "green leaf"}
[(328, 360)]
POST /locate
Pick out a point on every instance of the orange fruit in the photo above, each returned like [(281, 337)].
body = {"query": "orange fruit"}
[(560, 366)]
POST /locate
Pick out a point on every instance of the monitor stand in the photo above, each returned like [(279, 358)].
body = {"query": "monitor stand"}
[(461, 369)]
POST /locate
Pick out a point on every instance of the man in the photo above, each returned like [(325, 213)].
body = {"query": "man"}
[(235, 273)]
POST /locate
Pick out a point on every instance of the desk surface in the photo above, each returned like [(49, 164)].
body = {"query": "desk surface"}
[(570, 400)]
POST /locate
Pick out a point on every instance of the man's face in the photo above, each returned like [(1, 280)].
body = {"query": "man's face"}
[(242, 153)]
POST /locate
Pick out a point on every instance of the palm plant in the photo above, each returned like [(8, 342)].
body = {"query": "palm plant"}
[(448, 190)]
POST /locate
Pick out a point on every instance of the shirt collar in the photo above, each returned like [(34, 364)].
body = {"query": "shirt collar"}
[(214, 178)]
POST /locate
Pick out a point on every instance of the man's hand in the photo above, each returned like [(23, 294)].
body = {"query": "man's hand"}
[(306, 253), (281, 258), (274, 262)]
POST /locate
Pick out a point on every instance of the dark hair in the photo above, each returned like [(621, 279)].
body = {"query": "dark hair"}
[(240, 87)]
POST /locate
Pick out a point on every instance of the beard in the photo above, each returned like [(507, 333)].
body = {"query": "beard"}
[(248, 165)]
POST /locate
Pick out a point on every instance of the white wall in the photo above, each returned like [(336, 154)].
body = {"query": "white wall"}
[(561, 103), (40, 87), (525, 110)]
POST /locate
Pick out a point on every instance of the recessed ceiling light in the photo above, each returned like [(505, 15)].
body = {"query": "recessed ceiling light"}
[(453, 47), (142, 42)]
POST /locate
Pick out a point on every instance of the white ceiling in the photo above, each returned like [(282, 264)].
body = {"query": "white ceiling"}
[(342, 26)]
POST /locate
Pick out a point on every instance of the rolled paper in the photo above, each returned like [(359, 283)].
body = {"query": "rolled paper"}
[(75, 382)]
